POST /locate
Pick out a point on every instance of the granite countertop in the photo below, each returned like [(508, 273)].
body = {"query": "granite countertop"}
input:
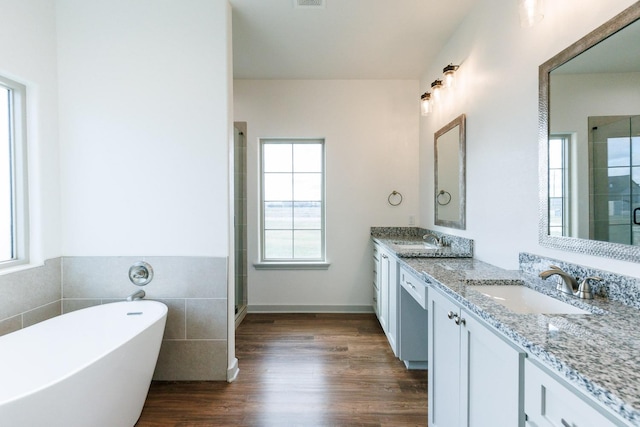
[(599, 353)]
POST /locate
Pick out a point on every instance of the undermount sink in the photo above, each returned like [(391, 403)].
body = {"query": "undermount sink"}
[(416, 246), (521, 299)]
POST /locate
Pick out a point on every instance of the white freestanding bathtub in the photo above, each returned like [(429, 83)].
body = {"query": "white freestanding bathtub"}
[(87, 368)]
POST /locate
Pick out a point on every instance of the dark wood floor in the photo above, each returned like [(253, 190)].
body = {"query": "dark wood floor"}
[(300, 370)]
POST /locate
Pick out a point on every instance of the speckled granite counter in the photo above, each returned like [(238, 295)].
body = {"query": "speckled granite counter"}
[(397, 238), (599, 353)]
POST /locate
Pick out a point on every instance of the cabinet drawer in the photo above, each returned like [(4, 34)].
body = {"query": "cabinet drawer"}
[(549, 402), (414, 286)]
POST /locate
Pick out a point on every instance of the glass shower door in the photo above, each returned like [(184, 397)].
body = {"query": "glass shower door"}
[(615, 179), (635, 180)]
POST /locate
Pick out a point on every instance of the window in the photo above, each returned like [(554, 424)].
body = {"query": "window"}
[(559, 185), (292, 201), (13, 185)]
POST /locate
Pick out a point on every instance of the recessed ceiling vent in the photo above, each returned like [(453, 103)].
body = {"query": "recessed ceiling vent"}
[(309, 4)]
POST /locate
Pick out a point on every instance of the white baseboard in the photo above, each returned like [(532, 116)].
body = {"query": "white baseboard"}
[(310, 309)]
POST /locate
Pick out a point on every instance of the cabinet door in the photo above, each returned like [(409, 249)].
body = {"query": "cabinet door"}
[(384, 290), (376, 279), (392, 321), (549, 403), (444, 362), (492, 393)]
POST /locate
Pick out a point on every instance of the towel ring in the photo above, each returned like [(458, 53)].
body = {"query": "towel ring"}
[(446, 195), (395, 195)]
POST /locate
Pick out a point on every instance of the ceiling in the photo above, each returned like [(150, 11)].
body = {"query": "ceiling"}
[(346, 39)]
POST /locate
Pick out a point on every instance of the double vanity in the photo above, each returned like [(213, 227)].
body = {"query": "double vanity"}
[(505, 348)]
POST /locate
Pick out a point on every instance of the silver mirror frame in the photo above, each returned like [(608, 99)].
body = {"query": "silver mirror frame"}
[(592, 247), (460, 223)]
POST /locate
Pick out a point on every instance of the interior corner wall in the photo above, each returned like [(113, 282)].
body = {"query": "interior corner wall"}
[(28, 55), (31, 293), (371, 134), (497, 88), (144, 133)]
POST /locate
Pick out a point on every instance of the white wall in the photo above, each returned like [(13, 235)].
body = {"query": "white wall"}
[(28, 55), (144, 127), (371, 135), (498, 90)]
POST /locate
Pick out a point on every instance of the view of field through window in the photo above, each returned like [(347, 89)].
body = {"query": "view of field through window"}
[(293, 200), (6, 205)]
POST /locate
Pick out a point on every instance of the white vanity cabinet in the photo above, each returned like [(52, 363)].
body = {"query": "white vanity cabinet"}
[(412, 331), (475, 376), (387, 283), (376, 279), (549, 402)]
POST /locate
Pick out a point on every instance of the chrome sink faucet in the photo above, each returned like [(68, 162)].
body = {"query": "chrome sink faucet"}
[(437, 241), (569, 284)]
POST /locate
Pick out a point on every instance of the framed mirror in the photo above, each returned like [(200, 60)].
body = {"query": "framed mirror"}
[(450, 174), (589, 141)]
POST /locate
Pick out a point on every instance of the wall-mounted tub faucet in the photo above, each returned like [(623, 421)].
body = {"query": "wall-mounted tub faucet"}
[(137, 295)]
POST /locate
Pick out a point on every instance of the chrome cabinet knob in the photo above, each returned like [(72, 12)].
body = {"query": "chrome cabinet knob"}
[(451, 315), (460, 321)]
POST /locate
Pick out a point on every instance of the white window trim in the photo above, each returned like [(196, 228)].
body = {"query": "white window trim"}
[(291, 264), (19, 176), (566, 181)]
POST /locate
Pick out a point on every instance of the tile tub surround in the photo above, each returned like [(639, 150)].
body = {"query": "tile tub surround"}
[(598, 353), (194, 346), (29, 296), (454, 246)]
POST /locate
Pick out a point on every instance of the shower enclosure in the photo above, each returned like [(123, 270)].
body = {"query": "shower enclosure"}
[(615, 179), (240, 219)]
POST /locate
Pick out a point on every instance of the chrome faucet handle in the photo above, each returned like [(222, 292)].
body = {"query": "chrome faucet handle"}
[(584, 290)]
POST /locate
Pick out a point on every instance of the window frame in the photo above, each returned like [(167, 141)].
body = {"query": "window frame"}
[(291, 263), (565, 169), (19, 206)]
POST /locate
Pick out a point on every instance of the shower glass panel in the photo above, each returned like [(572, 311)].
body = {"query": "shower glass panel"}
[(240, 227), (615, 179)]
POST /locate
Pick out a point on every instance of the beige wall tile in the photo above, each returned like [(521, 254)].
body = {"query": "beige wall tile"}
[(188, 277), (206, 319), (11, 324), (176, 319), (97, 277), (69, 305), (41, 314), (27, 289), (192, 360)]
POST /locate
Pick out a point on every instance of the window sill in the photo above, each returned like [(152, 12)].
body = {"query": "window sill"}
[(291, 265)]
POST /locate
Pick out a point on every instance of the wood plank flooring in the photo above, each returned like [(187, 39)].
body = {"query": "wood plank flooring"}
[(300, 370)]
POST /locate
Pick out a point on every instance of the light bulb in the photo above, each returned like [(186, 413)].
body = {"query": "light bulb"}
[(531, 12), (425, 103), (449, 75)]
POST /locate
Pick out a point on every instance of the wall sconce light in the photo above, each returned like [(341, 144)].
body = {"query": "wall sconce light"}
[(436, 86), (531, 12), (449, 75), (428, 99), (425, 103)]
